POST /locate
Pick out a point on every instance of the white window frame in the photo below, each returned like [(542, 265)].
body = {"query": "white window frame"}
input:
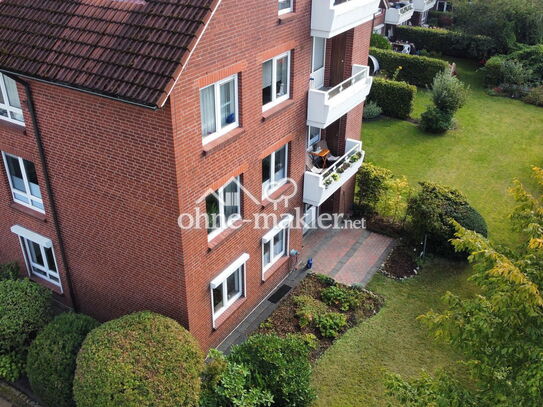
[(6, 106), (274, 185), (286, 10), (239, 265), (217, 93), (226, 223), (283, 227), (276, 100), (25, 238), (27, 193), (309, 143)]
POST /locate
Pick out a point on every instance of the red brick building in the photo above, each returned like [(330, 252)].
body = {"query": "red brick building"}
[(117, 117)]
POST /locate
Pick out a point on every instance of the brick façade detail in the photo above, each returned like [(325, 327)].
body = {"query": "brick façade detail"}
[(122, 174)]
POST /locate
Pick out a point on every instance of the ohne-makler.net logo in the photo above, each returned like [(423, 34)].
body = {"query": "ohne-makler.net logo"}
[(223, 210)]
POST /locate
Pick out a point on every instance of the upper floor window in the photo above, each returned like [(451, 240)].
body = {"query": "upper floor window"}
[(274, 170), (219, 108), (223, 207), (275, 80), (23, 182), (313, 136), (10, 105), (228, 286), (285, 6)]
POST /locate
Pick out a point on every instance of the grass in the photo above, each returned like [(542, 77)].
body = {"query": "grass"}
[(496, 140)]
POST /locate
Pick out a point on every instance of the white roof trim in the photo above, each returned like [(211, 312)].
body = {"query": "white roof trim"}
[(217, 281), (33, 236), (285, 222)]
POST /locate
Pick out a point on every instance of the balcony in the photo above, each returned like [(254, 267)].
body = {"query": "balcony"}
[(421, 6), (332, 17), (325, 106), (319, 187), (399, 13)]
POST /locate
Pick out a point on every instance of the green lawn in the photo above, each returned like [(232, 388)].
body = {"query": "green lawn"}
[(496, 140)]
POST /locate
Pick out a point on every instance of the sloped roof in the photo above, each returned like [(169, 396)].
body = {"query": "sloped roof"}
[(126, 49)]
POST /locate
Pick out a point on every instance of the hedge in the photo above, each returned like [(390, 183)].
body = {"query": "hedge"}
[(139, 360), (9, 271), (448, 42), (51, 358), (395, 98), (416, 70)]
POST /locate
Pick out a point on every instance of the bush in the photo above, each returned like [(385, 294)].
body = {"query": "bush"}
[(448, 93), (331, 324), (278, 365), (534, 96), (9, 271), (450, 43), (25, 308), (380, 41), (12, 366), (372, 184), (51, 358), (493, 73), (431, 212), (308, 308), (341, 297), (395, 98), (436, 121), (371, 110), (326, 280), (520, 67), (441, 18), (139, 360), (413, 69)]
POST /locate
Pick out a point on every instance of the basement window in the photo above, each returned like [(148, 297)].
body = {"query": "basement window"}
[(10, 104)]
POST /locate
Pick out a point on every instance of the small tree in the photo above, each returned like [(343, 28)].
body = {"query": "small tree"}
[(448, 93), (380, 41), (371, 183)]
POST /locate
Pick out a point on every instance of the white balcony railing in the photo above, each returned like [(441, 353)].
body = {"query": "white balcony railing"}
[(399, 13), (421, 6), (325, 106), (332, 17), (319, 187)]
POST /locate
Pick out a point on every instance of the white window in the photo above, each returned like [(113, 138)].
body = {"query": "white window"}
[(275, 80), (313, 136), (219, 108), (274, 170), (443, 6), (223, 207), (39, 255), (285, 6), (228, 286), (275, 243), (10, 105), (23, 182)]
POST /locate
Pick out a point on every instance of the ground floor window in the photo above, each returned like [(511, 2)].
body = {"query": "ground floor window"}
[(275, 243), (228, 287)]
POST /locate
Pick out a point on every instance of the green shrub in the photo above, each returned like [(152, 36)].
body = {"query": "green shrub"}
[(493, 74), (413, 69), (534, 96), (450, 43), (25, 308), (278, 365), (532, 58), (51, 358), (395, 98), (372, 184), (12, 366), (431, 211), (331, 324), (326, 280), (436, 121), (380, 41), (371, 110), (9, 271), (344, 298), (308, 308), (519, 67), (139, 360), (448, 93), (440, 18)]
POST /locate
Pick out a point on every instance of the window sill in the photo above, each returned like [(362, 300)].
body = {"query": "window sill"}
[(284, 18), (229, 312), (277, 109), (224, 235), (276, 266), (223, 140), (35, 214), (275, 195), (55, 288), (12, 127)]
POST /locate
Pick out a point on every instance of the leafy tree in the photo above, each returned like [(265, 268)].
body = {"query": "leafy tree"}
[(500, 331), (448, 93)]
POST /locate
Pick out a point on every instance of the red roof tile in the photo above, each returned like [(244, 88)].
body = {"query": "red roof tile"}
[(127, 49)]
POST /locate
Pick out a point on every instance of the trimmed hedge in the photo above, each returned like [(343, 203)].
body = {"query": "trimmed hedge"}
[(413, 69), (51, 358), (448, 42), (380, 41), (395, 98), (139, 360)]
